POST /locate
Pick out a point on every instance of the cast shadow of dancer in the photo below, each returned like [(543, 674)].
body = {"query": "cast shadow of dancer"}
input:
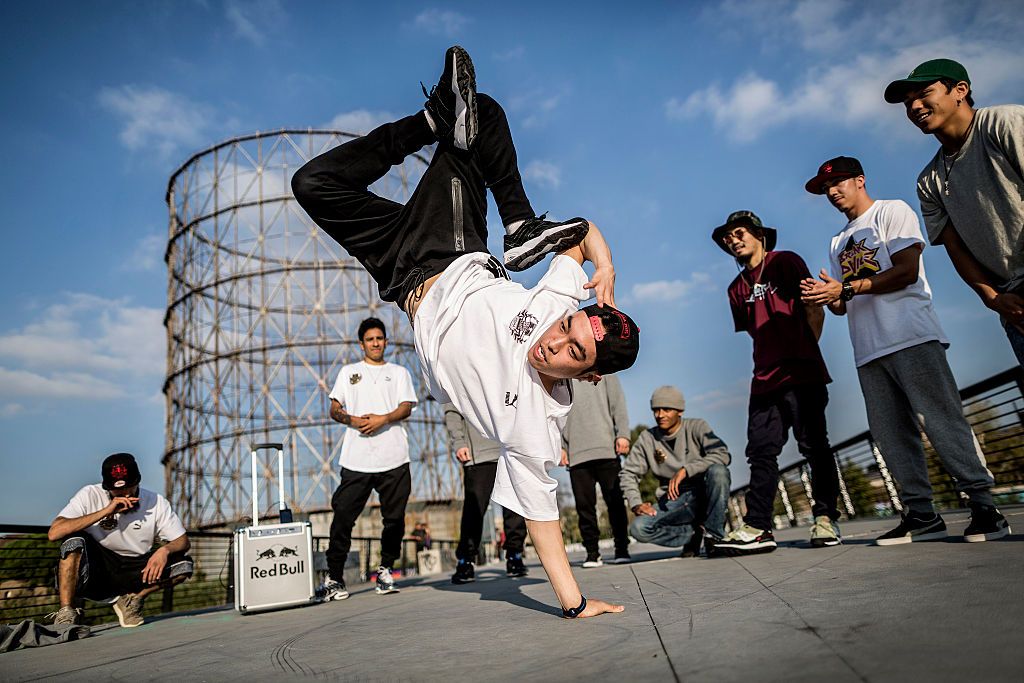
[(496, 587)]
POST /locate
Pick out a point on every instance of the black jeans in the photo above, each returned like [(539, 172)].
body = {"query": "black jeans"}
[(348, 502), (585, 479), (446, 217), (478, 482), (770, 417)]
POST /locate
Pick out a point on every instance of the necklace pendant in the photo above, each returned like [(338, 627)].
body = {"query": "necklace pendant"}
[(947, 189)]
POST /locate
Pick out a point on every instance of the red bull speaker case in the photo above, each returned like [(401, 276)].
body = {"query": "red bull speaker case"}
[(273, 562)]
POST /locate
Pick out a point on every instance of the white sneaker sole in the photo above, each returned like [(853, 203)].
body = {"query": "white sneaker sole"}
[(554, 239), (341, 595), (464, 132), (903, 540), (387, 591), (592, 565), (724, 548), (620, 560), (981, 538), (120, 618)]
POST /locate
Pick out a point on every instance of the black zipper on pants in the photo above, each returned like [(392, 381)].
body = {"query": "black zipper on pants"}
[(460, 238)]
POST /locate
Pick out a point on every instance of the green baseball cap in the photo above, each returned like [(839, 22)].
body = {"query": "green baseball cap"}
[(928, 72)]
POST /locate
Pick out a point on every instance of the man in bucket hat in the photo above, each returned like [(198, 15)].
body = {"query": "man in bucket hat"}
[(107, 532), (971, 191), (878, 283), (502, 354), (788, 389)]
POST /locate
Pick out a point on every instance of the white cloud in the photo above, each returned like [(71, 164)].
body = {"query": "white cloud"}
[(249, 18), (852, 58), (661, 291), (536, 106), (11, 409), (440, 22), (148, 254), (157, 119), (86, 347), (360, 121), (512, 54), (543, 173)]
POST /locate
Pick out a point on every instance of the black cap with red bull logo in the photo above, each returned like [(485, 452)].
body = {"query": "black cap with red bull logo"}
[(120, 472)]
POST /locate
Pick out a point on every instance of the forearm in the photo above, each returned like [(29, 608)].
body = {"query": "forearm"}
[(338, 414), (968, 267), (815, 319), (595, 249), (63, 526), (547, 541), (892, 280), (400, 413), (179, 545)]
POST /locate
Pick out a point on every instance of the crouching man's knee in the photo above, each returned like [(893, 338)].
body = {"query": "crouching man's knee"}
[(180, 570), (640, 528), (718, 479), (73, 545)]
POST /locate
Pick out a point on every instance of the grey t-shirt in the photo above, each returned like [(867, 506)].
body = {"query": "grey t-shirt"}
[(985, 185)]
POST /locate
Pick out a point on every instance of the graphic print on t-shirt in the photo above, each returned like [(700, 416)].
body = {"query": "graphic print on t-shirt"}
[(760, 292), (522, 326), (856, 260)]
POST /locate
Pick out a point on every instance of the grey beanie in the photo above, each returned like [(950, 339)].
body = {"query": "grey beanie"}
[(668, 397)]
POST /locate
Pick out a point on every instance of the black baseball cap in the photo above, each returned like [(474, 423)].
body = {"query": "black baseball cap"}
[(927, 72), (617, 338), (840, 167), (737, 218), (120, 472)]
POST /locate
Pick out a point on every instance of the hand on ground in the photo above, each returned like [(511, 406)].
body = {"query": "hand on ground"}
[(596, 607)]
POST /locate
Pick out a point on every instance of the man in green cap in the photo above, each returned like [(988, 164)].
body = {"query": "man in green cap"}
[(971, 191), (788, 390)]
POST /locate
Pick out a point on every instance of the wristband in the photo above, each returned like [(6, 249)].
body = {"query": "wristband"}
[(574, 612)]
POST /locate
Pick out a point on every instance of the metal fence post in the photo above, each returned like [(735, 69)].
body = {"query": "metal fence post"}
[(843, 492), (890, 486), (786, 503)]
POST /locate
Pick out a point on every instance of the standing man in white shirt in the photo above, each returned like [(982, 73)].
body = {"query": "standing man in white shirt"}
[(107, 532), (371, 398), (878, 282)]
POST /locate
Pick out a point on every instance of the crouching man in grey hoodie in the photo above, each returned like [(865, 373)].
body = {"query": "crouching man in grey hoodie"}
[(692, 465)]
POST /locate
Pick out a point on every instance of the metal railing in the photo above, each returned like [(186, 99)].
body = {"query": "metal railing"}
[(995, 410), (28, 560)]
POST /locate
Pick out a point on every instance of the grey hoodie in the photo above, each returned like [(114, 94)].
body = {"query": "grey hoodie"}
[(598, 416), (696, 449), (462, 435)]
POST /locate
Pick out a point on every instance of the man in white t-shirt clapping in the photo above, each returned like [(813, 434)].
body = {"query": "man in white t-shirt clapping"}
[(878, 282), (371, 398), (107, 532)]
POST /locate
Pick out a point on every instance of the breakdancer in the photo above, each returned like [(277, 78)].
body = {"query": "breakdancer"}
[(501, 353)]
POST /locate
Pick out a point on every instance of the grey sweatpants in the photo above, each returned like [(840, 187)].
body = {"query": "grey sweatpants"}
[(911, 391)]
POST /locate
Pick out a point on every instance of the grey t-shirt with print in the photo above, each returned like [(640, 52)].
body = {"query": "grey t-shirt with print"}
[(985, 200)]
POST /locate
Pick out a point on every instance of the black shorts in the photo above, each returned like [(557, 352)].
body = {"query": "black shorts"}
[(104, 574)]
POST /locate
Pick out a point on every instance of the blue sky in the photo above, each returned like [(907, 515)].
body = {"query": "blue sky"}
[(655, 120)]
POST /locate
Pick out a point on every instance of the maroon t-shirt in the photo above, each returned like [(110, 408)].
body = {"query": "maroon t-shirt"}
[(766, 303)]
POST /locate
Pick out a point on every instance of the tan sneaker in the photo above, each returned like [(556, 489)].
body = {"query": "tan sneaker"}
[(825, 532), (65, 616), (129, 610)]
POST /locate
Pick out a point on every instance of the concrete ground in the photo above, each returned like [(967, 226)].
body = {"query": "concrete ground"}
[(938, 611)]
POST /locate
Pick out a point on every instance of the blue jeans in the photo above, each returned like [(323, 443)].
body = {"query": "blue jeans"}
[(703, 503), (1016, 338)]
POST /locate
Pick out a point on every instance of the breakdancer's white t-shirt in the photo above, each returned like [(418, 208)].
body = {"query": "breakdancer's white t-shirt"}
[(362, 389), (473, 332)]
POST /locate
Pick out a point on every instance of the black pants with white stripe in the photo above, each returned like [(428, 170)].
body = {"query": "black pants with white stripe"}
[(446, 217)]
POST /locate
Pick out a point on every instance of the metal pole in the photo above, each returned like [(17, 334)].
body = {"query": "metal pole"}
[(890, 486), (785, 503), (255, 493)]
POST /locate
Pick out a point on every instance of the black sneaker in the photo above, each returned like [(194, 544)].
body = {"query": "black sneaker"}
[(746, 540), (914, 528), (537, 237), (621, 557), (464, 573), (593, 560), (332, 590), (452, 102), (987, 524), (692, 547), (514, 566)]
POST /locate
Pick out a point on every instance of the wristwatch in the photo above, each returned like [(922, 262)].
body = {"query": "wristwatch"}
[(847, 292)]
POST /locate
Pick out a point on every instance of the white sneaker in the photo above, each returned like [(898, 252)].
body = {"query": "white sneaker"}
[(593, 560), (385, 582)]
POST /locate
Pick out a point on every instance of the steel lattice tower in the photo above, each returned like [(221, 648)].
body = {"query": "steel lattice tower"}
[(262, 312)]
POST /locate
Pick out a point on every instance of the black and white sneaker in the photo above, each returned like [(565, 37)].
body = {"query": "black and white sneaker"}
[(537, 237), (746, 540), (593, 560), (913, 529), (514, 566), (987, 524), (621, 557), (452, 102), (464, 573), (385, 582), (332, 590)]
